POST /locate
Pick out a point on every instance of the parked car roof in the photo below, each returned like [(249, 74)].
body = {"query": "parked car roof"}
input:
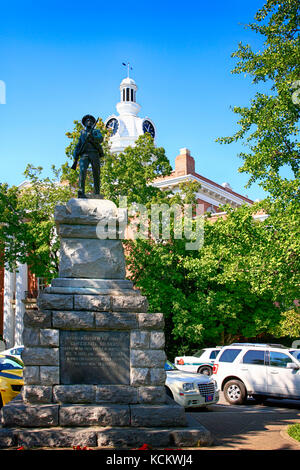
[(259, 345)]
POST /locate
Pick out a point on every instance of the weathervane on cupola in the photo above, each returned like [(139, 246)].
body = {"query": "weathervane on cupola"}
[(127, 126), (128, 67)]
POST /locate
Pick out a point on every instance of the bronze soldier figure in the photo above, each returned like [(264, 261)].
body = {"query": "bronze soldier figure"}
[(90, 151)]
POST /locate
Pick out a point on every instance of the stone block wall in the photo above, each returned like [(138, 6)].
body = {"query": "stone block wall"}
[(41, 337)]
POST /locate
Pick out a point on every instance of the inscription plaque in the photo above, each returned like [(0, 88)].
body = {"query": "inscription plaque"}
[(94, 357)]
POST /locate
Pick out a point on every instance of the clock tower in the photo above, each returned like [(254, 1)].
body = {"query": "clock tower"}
[(127, 126)]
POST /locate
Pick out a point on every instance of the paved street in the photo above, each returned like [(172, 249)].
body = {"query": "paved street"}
[(251, 426)]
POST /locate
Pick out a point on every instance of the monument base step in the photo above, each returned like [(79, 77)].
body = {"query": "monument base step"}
[(17, 414), (194, 435)]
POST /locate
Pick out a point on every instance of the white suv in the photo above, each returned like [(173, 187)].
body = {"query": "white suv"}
[(259, 370)]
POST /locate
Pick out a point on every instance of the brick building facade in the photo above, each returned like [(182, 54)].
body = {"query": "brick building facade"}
[(211, 195)]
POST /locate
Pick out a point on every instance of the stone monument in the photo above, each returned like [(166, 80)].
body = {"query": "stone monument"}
[(94, 356)]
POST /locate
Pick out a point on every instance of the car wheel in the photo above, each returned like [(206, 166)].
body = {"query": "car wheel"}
[(235, 392), (205, 370), (259, 398), (1, 402)]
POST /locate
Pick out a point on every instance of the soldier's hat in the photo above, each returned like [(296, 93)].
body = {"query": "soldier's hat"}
[(86, 117)]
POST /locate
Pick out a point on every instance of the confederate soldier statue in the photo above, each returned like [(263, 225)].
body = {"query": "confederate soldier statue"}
[(90, 151)]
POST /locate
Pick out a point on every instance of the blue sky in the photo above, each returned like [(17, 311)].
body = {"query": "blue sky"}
[(61, 60)]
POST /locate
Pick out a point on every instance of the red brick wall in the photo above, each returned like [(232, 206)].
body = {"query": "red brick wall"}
[(31, 284), (184, 163), (206, 205)]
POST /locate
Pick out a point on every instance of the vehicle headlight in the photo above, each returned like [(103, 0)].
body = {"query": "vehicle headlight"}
[(216, 385), (188, 386)]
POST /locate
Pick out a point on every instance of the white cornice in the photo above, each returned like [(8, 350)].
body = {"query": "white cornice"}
[(24, 184), (208, 192)]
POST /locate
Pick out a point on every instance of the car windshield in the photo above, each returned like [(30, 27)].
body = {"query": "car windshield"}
[(170, 366), (17, 351), (9, 362)]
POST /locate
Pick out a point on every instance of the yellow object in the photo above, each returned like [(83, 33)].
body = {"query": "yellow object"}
[(11, 378)]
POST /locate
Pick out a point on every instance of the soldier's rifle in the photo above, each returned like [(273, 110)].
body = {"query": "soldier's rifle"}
[(73, 167)]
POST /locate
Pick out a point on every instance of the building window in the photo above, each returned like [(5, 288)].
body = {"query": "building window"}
[(127, 94)]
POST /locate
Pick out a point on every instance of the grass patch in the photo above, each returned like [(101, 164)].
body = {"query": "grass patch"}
[(294, 431)]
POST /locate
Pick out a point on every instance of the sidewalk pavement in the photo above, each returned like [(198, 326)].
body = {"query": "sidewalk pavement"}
[(251, 427)]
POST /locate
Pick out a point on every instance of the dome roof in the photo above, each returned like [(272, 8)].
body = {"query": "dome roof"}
[(128, 81)]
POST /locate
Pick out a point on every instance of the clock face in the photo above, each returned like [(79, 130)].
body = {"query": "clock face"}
[(112, 125), (148, 127)]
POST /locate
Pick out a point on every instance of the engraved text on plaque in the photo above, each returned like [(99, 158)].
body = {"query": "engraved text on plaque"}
[(94, 357)]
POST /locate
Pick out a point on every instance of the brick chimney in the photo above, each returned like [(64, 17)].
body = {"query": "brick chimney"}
[(184, 163)]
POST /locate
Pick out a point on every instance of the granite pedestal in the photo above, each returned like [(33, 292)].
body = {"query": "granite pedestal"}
[(94, 356)]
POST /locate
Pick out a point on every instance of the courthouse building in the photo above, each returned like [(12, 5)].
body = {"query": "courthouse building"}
[(20, 288)]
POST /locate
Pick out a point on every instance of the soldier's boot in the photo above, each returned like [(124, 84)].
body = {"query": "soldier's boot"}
[(81, 194)]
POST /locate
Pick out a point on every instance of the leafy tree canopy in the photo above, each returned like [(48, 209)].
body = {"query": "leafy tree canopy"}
[(235, 287), (27, 228), (269, 125)]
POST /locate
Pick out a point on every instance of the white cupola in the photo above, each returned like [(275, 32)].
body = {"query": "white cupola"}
[(128, 104), (127, 126)]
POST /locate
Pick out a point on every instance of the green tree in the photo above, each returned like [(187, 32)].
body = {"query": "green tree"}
[(289, 325), (27, 228), (11, 226), (131, 172), (234, 288), (269, 125)]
